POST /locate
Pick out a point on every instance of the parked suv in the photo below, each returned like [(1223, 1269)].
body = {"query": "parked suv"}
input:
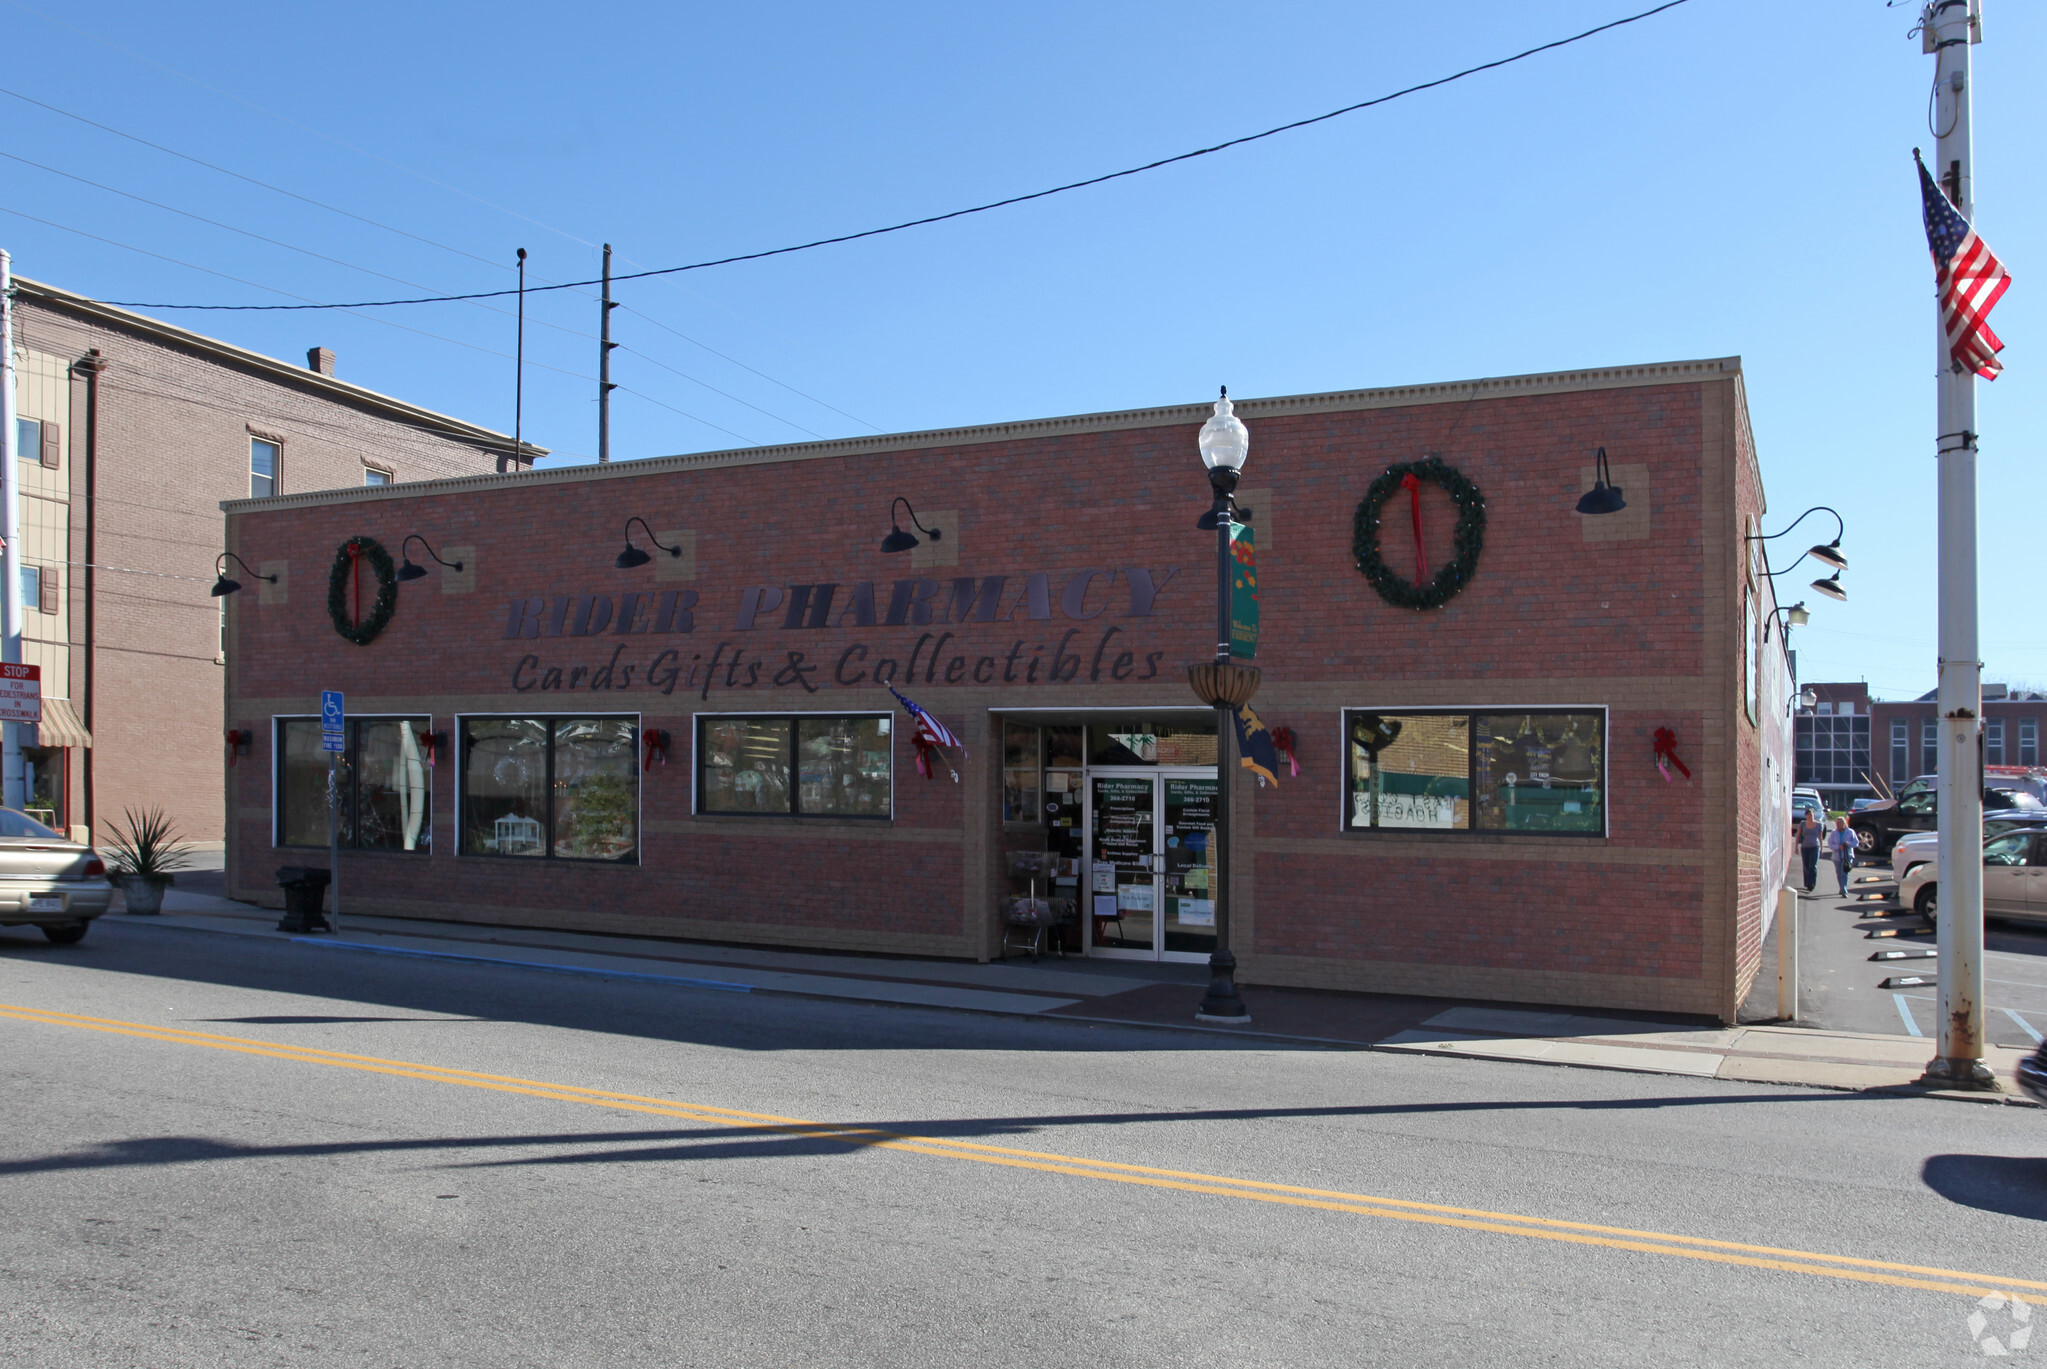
[(2014, 879), (1917, 809)]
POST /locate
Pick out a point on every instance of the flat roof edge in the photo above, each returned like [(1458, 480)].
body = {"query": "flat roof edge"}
[(1339, 401)]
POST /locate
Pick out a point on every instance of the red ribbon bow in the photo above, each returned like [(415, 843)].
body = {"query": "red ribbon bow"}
[(1413, 485), (657, 747), (1666, 754), (1283, 742)]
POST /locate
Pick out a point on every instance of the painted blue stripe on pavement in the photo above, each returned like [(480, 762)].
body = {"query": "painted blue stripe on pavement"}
[(525, 964)]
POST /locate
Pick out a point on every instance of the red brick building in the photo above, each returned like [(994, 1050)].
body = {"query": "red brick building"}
[(1851, 746), (705, 745), (132, 433)]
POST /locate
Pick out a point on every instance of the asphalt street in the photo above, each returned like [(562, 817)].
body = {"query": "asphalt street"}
[(224, 1151)]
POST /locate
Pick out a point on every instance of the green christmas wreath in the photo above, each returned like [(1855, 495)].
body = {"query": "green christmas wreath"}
[(344, 585), (1468, 540)]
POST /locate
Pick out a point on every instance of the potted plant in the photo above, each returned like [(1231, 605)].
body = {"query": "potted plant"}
[(144, 851)]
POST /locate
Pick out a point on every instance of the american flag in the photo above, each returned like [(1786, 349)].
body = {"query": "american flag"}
[(1971, 280), (935, 729)]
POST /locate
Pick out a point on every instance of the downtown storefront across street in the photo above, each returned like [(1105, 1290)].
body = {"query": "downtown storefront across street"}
[(708, 743)]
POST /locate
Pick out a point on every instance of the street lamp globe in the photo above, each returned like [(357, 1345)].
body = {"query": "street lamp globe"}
[(1797, 615), (1225, 441)]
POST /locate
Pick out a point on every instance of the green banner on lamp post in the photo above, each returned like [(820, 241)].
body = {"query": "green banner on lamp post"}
[(1243, 593)]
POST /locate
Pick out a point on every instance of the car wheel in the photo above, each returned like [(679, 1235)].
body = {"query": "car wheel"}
[(1866, 839), (1927, 903), (67, 934)]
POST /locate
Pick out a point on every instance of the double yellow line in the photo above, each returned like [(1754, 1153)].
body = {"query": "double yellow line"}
[(1252, 1190)]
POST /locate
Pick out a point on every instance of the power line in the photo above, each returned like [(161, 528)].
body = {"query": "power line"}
[(336, 261), (229, 95), (348, 309), (744, 367), (716, 391), (265, 185), (935, 218)]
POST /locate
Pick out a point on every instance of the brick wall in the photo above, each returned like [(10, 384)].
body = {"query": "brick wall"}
[(1640, 618)]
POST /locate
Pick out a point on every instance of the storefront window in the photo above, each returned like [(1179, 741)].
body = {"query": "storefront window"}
[(1151, 741), (1410, 770), (1540, 772), (1020, 787), (551, 788), (386, 787), (43, 768), (805, 766), (1468, 771)]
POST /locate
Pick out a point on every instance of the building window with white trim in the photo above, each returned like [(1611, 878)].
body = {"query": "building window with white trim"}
[(372, 476), (263, 463), (1434, 770), (801, 765), (1993, 741), (1901, 751), (1929, 743), (551, 788), (387, 797), (2029, 741)]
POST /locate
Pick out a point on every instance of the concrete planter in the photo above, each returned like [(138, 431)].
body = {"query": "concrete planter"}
[(145, 893)]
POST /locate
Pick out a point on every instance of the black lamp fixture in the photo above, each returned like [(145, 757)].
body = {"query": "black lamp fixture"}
[(1831, 587), (898, 540), (632, 555), (1604, 496), (223, 585), (1827, 552), (410, 571)]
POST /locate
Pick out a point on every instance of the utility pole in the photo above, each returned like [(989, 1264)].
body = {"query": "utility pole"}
[(13, 779), (1949, 28), (519, 371), (604, 346)]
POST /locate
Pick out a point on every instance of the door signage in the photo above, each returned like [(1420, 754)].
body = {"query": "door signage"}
[(21, 693)]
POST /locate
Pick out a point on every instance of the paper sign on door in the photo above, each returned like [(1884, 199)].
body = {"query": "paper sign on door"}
[(1135, 898)]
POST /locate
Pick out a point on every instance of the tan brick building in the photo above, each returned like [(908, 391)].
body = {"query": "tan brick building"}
[(132, 433)]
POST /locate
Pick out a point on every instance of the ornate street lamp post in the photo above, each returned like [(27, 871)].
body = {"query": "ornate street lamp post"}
[(1225, 686)]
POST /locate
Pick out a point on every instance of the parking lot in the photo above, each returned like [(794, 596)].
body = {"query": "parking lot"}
[(1841, 987)]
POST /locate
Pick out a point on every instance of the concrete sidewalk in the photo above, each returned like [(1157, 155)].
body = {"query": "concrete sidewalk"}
[(1134, 993)]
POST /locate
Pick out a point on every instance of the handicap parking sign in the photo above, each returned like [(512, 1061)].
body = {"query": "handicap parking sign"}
[(332, 720)]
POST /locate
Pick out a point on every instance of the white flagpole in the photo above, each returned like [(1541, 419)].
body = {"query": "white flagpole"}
[(1954, 26)]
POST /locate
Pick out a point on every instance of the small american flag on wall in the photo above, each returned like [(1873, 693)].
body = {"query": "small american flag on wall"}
[(1971, 280)]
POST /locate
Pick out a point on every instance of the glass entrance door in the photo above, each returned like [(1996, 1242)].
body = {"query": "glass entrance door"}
[(1187, 834), (1122, 841), (1150, 864)]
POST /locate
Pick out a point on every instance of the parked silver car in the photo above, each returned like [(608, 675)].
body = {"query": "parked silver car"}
[(1920, 848), (49, 881), (2014, 879)]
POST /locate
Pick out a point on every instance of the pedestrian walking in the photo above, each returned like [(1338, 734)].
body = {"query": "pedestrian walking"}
[(1843, 845), (1810, 834)]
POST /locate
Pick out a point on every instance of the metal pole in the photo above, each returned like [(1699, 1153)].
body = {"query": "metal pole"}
[(1960, 693), (1787, 955), (519, 371), (14, 790), (334, 835), (1221, 1004), (604, 346)]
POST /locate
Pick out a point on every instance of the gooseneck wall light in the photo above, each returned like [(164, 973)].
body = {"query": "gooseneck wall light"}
[(898, 540), (223, 585), (1604, 496), (1827, 553), (410, 571), (632, 555)]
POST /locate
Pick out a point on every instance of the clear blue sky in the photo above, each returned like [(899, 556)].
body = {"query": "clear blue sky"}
[(1732, 177)]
